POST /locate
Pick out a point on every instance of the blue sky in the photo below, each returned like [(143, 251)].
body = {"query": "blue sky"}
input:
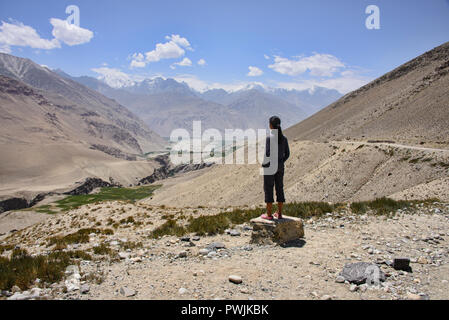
[(290, 44)]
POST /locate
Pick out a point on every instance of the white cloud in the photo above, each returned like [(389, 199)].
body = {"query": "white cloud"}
[(172, 49), (183, 42), (168, 50), (18, 34), (4, 48), (70, 34), (113, 77), (201, 62), (324, 65), (254, 72), (138, 64), (138, 61), (186, 62), (343, 84), (266, 57)]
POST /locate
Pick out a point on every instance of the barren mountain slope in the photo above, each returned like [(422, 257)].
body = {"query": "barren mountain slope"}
[(48, 143), (104, 117), (409, 104)]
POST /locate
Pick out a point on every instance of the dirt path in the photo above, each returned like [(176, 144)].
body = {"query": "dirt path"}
[(398, 145)]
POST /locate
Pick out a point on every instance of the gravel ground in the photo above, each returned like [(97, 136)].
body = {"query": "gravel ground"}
[(170, 268)]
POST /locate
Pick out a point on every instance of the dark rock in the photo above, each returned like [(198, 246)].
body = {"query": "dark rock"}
[(362, 272), (88, 186), (21, 203), (185, 239), (401, 264), (13, 204), (39, 198), (117, 153), (167, 169)]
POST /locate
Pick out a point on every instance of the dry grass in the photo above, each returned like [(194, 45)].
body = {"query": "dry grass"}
[(22, 269)]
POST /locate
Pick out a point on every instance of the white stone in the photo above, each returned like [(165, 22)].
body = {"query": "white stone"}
[(124, 255), (235, 279)]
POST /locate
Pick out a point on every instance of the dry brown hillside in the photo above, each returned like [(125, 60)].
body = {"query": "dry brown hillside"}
[(409, 105), (47, 143)]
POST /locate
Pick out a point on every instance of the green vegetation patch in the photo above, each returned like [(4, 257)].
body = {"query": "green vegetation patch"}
[(103, 249), (168, 228), (106, 194), (385, 206), (48, 209), (22, 269)]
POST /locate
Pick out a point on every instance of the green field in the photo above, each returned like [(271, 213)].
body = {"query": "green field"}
[(105, 194)]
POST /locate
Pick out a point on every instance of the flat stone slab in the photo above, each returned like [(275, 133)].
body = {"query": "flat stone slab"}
[(278, 231)]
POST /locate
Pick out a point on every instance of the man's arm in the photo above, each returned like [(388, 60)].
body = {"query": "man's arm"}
[(266, 161), (267, 147)]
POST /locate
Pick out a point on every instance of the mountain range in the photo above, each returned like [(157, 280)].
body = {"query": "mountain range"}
[(166, 104), (99, 120)]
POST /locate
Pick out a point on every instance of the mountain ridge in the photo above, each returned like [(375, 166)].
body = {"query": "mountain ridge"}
[(78, 95), (409, 104), (166, 104)]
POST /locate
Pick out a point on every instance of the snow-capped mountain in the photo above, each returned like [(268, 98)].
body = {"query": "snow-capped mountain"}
[(166, 104)]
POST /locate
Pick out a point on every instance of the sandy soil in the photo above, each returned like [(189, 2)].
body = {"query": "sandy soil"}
[(44, 168), (17, 220)]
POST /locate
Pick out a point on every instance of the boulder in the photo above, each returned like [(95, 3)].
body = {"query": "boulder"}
[(278, 231)]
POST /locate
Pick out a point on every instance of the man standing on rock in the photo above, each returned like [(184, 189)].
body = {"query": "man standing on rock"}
[(277, 179)]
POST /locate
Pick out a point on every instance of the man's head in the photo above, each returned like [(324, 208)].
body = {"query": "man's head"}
[(275, 122)]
